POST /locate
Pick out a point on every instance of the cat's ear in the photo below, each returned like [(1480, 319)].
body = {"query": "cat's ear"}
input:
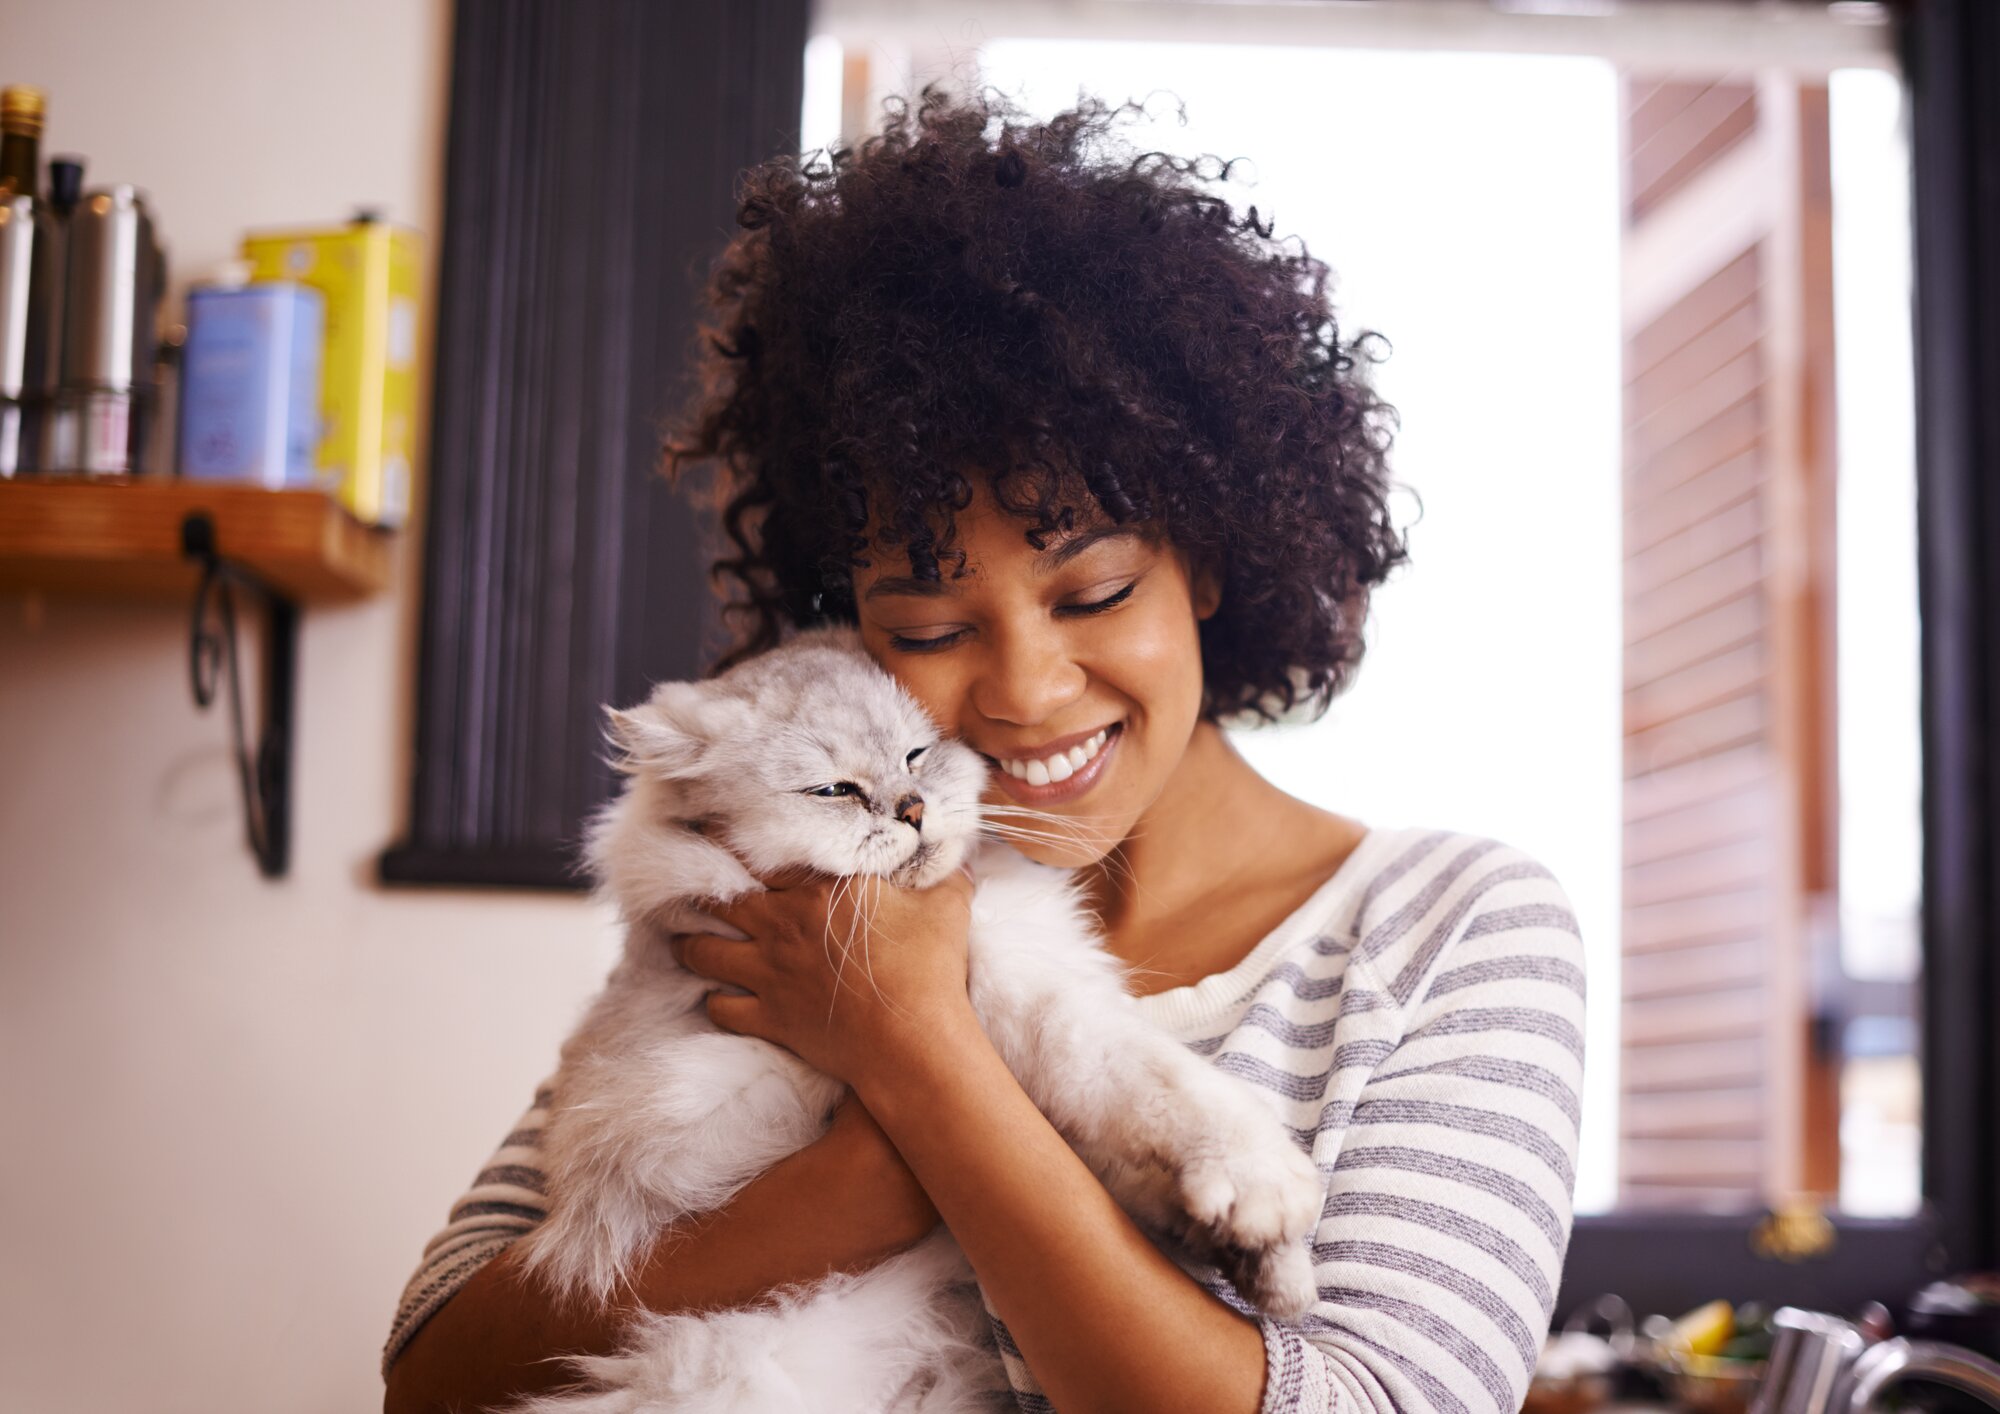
[(664, 736)]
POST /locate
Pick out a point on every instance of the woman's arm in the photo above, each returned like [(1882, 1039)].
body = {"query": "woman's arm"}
[(840, 1204), (1441, 1242), (1103, 1318)]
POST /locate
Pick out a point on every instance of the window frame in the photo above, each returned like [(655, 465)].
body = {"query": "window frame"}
[(459, 836), (1670, 1262)]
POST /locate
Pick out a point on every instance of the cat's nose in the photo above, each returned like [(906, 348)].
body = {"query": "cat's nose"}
[(910, 810)]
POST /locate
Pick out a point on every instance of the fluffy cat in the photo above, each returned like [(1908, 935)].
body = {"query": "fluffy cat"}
[(810, 755)]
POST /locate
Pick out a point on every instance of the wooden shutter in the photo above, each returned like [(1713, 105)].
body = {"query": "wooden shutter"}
[(1729, 747)]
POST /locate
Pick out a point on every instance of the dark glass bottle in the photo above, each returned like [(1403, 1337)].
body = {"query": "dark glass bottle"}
[(21, 112)]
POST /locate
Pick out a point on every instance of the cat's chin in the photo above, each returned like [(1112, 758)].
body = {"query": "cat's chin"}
[(927, 865)]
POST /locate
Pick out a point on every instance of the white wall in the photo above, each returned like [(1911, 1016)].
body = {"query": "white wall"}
[(235, 1108)]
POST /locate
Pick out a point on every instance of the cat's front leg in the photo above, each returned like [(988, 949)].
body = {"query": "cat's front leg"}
[(1184, 1147)]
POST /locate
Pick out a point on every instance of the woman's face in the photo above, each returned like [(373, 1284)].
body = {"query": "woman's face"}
[(1075, 671)]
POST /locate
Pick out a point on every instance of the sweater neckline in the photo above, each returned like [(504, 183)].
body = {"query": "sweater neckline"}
[(1207, 1000)]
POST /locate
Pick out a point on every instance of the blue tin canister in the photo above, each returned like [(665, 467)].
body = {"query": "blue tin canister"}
[(250, 372)]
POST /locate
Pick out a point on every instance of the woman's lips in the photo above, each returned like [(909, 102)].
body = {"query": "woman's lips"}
[(1061, 792)]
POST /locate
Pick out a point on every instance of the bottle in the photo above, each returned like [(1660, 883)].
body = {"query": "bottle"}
[(22, 110), (62, 432), (28, 271), (65, 185), (116, 272)]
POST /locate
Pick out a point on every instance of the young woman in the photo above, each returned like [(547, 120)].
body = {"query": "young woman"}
[(1085, 457)]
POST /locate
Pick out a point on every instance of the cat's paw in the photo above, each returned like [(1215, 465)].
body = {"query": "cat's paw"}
[(1251, 1203)]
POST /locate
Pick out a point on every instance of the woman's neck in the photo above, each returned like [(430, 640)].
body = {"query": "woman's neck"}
[(1222, 856)]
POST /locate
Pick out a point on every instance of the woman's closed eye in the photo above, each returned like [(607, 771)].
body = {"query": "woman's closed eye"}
[(1098, 606), (914, 643)]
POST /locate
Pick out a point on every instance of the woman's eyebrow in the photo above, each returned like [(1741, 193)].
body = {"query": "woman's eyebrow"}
[(908, 585), (1046, 563), (1053, 559)]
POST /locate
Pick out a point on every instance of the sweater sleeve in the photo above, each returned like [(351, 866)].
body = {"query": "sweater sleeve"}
[(1448, 1212), (506, 1199)]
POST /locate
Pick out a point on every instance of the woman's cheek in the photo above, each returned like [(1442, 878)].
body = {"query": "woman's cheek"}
[(1157, 660)]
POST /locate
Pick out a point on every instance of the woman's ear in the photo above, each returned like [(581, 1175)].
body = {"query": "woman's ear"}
[(1205, 588)]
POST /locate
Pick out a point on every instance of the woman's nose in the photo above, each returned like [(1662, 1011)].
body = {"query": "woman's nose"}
[(1027, 679)]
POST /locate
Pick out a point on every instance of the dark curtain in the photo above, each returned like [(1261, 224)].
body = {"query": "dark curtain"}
[(591, 166)]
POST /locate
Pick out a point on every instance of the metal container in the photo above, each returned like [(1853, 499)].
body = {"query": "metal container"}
[(1821, 1364), (30, 326), (110, 342)]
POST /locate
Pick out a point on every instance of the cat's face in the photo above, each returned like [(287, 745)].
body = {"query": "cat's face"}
[(809, 756)]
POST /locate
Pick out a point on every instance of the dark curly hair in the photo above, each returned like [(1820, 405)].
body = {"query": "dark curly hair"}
[(1087, 330)]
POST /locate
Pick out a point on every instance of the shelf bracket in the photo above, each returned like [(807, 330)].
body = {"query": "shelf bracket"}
[(266, 777)]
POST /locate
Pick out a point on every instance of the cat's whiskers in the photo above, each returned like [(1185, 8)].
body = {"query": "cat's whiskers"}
[(841, 889), (1055, 824), (874, 892), (1079, 823), (1112, 860)]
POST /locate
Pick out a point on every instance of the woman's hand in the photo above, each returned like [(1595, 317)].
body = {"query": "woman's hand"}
[(854, 976), (870, 1165)]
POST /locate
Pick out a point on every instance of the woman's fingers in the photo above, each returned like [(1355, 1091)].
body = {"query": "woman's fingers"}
[(788, 897), (720, 959), (738, 1014)]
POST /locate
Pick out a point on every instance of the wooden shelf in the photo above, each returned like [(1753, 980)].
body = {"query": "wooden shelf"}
[(123, 538)]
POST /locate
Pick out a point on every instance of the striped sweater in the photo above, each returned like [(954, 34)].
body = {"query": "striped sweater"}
[(1418, 1023)]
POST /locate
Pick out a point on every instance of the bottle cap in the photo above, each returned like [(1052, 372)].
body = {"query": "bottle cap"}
[(65, 183), (22, 109)]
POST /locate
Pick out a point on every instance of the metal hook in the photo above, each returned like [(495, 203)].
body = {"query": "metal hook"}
[(265, 778)]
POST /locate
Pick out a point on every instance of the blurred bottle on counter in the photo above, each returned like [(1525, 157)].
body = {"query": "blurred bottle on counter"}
[(30, 282)]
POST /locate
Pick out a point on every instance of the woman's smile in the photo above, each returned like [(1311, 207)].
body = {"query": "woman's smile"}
[(1072, 667), (1060, 772)]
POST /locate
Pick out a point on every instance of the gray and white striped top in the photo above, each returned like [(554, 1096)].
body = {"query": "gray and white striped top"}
[(1418, 1023)]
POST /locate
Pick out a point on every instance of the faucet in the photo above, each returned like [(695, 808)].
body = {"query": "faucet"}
[(1821, 1364), (1893, 1361)]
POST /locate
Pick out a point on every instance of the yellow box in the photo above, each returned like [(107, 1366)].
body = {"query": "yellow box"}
[(368, 272)]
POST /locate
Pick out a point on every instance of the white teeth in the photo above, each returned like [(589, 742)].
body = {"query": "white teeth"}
[(1059, 767)]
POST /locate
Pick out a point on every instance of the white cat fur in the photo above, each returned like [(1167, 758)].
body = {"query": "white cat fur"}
[(658, 1114)]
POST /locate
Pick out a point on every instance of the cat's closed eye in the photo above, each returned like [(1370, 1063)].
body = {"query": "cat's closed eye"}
[(910, 761), (838, 788)]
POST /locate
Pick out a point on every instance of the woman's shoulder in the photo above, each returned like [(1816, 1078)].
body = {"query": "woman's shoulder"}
[(1405, 872), (1442, 910)]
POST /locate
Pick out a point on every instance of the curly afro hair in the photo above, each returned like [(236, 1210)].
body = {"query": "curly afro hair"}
[(1088, 331)]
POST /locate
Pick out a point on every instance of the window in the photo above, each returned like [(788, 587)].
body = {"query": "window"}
[(1700, 611), (1651, 312)]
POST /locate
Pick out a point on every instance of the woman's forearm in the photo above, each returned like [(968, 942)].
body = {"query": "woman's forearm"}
[(1104, 1320), (841, 1204)]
